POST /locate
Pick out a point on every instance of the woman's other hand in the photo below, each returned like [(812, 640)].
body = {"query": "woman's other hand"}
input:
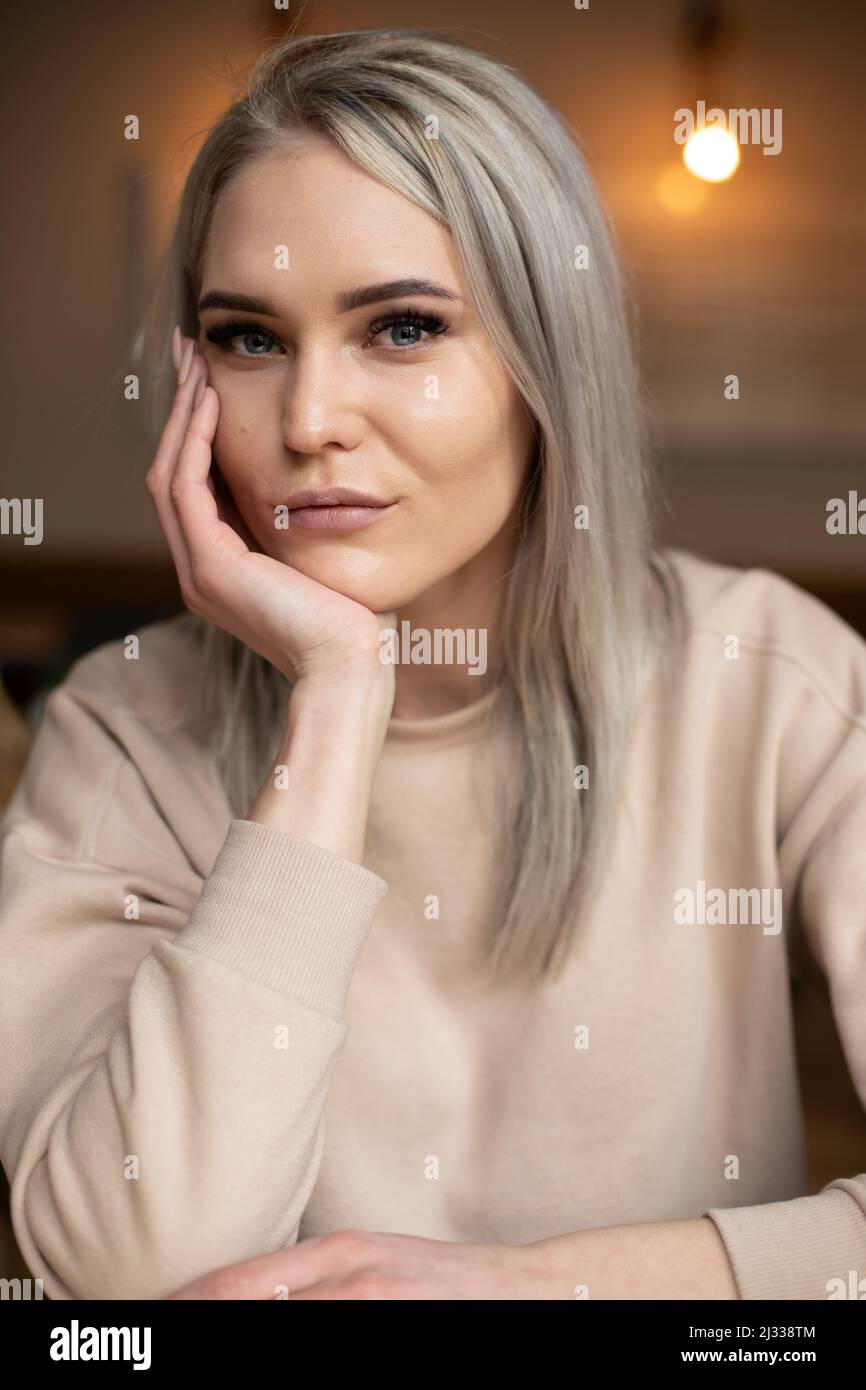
[(375, 1265)]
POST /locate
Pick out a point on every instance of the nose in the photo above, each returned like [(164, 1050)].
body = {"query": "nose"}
[(318, 408)]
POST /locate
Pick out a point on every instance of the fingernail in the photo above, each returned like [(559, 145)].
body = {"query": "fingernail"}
[(176, 347), (199, 394), (186, 363)]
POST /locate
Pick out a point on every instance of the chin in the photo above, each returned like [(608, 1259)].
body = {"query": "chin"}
[(366, 579)]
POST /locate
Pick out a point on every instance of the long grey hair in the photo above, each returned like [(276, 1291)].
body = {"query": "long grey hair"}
[(588, 608)]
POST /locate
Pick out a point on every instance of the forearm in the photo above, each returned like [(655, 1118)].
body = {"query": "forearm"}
[(330, 751), (645, 1260)]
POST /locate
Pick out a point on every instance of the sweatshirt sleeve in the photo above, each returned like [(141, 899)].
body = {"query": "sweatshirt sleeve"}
[(166, 1038), (807, 1248)]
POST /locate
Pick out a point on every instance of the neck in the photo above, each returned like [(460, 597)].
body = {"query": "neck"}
[(448, 639)]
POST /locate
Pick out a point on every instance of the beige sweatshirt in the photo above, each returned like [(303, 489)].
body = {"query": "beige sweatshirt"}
[(217, 1040)]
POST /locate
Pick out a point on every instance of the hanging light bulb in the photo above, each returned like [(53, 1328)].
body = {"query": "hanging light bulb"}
[(712, 153)]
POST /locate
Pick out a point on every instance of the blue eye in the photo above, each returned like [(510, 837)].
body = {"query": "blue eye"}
[(257, 340), (408, 320), (223, 334)]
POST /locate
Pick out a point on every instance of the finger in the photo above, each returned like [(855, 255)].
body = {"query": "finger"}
[(176, 346), (159, 475), (264, 1277), (328, 1290), (174, 430), (193, 492)]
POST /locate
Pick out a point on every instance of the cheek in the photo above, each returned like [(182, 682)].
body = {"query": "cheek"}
[(234, 445), (468, 450)]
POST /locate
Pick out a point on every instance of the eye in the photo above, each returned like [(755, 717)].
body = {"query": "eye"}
[(408, 321), (408, 324), (224, 333)]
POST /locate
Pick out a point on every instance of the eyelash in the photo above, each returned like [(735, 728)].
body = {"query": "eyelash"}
[(221, 334)]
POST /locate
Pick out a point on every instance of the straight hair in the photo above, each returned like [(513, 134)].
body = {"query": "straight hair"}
[(588, 609)]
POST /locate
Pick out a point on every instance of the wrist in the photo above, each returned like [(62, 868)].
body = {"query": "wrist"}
[(357, 685), (682, 1259), (327, 760), (336, 728)]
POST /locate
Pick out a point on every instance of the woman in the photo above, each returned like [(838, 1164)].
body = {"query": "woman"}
[(339, 961)]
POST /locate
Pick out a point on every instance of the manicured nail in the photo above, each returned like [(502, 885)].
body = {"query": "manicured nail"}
[(199, 394), (186, 363), (176, 347)]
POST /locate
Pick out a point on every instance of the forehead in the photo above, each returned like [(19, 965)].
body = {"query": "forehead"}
[(340, 225)]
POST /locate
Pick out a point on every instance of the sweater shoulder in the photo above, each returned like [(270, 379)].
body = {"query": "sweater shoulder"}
[(776, 623), (148, 672), (120, 760)]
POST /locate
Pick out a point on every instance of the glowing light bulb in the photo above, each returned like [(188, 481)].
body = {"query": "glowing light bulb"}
[(711, 154)]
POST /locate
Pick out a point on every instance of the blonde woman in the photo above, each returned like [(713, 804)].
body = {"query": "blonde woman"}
[(416, 916)]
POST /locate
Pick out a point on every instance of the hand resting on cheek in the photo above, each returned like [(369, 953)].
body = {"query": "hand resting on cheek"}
[(298, 624)]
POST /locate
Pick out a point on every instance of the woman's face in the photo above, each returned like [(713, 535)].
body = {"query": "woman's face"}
[(315, 394)]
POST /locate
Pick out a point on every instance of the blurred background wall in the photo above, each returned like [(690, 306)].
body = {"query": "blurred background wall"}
[(761, 276)]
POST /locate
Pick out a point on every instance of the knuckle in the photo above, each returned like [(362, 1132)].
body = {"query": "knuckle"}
[(368, 1285), (348, 1242), (226, 1283)]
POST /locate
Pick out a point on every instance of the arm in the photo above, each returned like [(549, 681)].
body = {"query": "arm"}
[(331, 747), (153, 1124), (645, 1260), (659, 1260)]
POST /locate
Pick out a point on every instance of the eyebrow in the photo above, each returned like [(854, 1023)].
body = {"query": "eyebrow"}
[(350, 299)]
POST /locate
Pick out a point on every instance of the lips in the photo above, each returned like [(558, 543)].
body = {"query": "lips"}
[(342, 517), (335, 497)]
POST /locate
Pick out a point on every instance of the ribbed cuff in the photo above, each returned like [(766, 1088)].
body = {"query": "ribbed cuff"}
[(286, 913), (795, 1249)]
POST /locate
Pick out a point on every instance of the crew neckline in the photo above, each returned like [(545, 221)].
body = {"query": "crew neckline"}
[(433, 728)]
